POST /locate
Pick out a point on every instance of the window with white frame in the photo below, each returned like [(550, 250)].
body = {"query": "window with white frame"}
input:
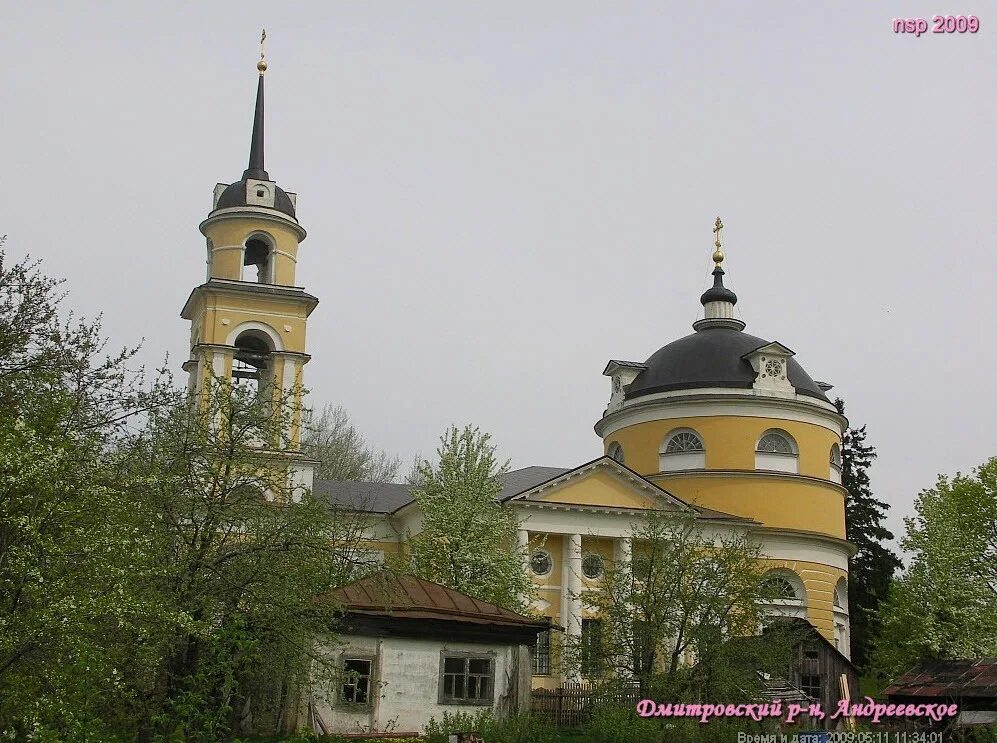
[(835, 462), (783, 595), (616, 451), (682, 449), (777, 451), (466, 678), (842, 640)]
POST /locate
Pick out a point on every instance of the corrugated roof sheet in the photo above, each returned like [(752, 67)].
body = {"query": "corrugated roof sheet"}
[(948, 678), (405, 596)]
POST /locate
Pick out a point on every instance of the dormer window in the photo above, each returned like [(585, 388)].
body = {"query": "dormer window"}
[(777, 451), (771, 365), (682, 450)]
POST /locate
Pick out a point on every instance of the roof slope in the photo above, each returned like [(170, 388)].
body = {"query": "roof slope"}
[(407, 597), (711, 358), (388, 497), (948, 678)]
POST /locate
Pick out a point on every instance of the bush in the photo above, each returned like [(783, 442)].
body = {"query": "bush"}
[(513, 729), (622, 725)]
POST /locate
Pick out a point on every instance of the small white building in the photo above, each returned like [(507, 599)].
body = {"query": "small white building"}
[(411, 649)]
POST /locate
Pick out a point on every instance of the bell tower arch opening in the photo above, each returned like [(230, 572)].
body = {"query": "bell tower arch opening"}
[(252, 362), (258, 259)]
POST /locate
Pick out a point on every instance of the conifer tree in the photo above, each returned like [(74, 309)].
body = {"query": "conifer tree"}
[(872, 567)]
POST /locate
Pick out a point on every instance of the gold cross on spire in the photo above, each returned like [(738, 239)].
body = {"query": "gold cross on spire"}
[(718, 254), (262, 65)]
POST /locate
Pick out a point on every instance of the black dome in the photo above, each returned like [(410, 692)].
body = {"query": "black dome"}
[(235, 195), (710, 358)]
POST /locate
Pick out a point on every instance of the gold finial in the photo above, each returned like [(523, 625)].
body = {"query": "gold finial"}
[(262, 65), (718, 254)]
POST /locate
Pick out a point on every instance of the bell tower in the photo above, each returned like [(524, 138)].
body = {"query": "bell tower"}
[(248, 319)]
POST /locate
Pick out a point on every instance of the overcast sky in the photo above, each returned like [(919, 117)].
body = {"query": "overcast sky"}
[(502, 196)]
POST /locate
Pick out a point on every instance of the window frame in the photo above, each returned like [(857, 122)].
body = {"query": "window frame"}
[(807, 688), (550, 562), (467, 656), (590, 667), (542, 659), (601, 573), (616, 453), (683, 459), (363, 656)]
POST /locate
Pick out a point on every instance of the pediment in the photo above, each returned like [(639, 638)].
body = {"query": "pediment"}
[(603, 483)]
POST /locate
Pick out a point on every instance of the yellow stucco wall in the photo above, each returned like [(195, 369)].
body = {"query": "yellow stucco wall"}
[(226, 262), (598, 488), (729, 440), (809, 503), (784, 502)]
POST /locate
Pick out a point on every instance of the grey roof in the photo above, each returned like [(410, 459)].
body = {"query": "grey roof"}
[(711, 357), (519, 481), (388, 497), (371, 497)]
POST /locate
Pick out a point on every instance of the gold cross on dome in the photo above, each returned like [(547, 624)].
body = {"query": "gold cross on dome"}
[(262, 64), (718, 254)]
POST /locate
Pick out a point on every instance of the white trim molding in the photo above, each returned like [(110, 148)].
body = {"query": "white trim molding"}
[(720, 402)]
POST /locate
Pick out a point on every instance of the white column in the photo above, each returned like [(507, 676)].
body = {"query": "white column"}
[(523, 547), (571, 589), (622, 552)]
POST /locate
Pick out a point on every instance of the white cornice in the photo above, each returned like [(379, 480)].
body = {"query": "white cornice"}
[(254, 212), (718, 401)]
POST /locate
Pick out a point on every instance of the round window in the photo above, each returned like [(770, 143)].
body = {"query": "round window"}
[(592, 566), (773, 368), (541, 562)]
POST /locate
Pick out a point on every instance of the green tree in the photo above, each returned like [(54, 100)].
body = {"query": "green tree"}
[(945, 605), (681, 594), (238, 564), (872, 567), (341, 450), (468, 539), (65, 580)]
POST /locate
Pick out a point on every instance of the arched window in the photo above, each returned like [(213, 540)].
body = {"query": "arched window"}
[(842, 625), (682, 449), (259, 253), (616, 451), (783, 595), (252, 364), (776, 450), (835, 462)]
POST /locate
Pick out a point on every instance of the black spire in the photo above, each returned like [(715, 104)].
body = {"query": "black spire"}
[(256, 169), (718, 292)]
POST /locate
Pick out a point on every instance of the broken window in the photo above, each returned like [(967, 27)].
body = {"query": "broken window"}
[(466, 679)]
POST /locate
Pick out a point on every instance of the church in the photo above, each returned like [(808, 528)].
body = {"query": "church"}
[(720, 423)]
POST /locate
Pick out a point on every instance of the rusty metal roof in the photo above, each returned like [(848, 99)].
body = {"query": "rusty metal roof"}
[(405, 596), (948, 678)]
